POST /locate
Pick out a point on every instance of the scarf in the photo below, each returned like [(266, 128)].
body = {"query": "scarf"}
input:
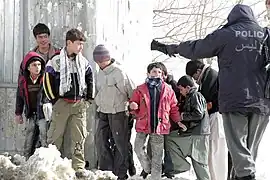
[(199, 80), (153, 82), (68, 66)]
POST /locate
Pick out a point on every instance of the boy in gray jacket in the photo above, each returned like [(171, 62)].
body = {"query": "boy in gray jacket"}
[(114, 88)]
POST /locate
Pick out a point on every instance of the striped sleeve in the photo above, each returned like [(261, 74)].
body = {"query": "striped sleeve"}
[(48, 82), (89, 79)]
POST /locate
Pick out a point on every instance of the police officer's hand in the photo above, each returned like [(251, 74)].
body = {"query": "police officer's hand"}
[(19, 119), (155, 45)]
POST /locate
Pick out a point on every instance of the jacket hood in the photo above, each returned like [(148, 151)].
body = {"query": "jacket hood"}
[(31, 56), (241, 12)]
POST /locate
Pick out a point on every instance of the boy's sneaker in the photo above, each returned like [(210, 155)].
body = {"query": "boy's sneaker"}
[(168, 175), (132, 170), (144, 174)]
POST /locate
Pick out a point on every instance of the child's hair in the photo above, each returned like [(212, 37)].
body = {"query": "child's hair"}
[(75, 35), (41, 28), (193, 66), (185, 81), (164, 68), (154, 65)]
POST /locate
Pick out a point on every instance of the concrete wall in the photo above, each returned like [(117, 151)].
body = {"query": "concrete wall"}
[(116, 23)]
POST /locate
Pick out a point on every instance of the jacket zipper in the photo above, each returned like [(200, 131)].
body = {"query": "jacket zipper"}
[(75, 84), (155, 108)]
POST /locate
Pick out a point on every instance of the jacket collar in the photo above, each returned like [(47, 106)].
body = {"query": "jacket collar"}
[(107, 70), (145, 91), (51, 52)]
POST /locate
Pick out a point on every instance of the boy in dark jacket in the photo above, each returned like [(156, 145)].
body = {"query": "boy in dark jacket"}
[(194, 142), (29, 98), (207, 79)]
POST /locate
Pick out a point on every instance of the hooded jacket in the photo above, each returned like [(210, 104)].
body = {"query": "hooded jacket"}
[(52, 51), (22, 97), (241, 76)]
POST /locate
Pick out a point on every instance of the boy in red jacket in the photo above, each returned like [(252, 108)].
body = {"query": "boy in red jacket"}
[(154, 103)]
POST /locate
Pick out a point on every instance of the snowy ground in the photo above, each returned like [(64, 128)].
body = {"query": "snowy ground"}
[(46, 164)]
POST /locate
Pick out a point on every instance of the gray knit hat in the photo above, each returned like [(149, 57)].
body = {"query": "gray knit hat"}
[(101, 53)]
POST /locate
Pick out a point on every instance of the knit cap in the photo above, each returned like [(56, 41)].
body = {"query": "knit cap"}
[(101, 53)]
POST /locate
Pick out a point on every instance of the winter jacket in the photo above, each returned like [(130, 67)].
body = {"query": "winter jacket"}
[(241, 76), (114, 88), (167, 109), (195, 115), (52, 81), (22, 96), (209, 88)]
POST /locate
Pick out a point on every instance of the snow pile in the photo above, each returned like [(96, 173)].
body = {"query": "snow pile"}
[(8, 170), (45, 164)]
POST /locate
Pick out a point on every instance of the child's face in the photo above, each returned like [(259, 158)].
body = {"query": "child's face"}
[(35, 67), (184, 90), (155, 73), (104, 63), (197, 74)]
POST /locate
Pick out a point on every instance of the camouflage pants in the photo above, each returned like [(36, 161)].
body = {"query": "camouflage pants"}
[(70, 115), (153, 164), (36, 131)]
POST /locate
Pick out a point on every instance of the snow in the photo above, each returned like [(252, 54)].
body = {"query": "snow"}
[(45, 164)]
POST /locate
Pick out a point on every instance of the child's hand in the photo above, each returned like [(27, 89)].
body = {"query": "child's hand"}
[(182, 126), (209, 106), (19, 119), (133, 106)]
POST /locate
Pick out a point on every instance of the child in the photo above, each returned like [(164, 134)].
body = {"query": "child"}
[(195, 141), (29, 97), (68, 84), (114, 88), (154, 103)]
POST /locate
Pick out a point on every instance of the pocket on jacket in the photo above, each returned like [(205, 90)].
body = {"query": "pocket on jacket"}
[(163, 127), (141, 122)]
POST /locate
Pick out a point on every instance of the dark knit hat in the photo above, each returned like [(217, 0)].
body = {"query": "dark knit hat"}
[(101, 53), (34, 59)]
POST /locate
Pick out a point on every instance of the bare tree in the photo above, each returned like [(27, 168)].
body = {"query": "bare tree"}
[(176, 21)]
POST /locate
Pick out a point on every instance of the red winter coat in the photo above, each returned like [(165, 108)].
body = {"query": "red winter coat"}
[(167, 109)]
